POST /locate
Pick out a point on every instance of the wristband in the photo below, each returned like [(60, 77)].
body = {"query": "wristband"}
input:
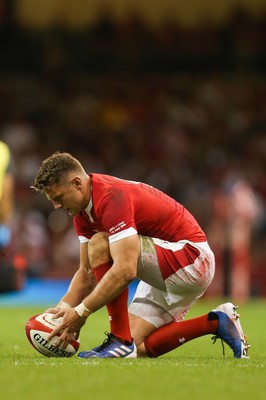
[(63, 304), (82, 310)]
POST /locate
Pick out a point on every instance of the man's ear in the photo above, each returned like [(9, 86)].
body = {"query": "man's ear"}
[(76, 182)]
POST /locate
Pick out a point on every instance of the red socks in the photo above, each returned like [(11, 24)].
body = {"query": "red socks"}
[(117, 308), (163, 339), (173, 335)]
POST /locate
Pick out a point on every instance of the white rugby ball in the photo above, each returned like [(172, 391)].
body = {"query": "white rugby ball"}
[(37, 331)]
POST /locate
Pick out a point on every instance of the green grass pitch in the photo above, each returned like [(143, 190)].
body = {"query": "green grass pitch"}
[(197, 370)]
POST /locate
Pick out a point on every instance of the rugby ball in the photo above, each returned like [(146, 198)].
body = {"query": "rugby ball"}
[(37, 331)]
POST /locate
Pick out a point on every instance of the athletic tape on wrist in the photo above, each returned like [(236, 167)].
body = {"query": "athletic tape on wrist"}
[(81, 309)]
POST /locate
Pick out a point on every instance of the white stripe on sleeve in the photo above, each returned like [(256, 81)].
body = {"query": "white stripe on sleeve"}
[(83, 239), (123, 234)]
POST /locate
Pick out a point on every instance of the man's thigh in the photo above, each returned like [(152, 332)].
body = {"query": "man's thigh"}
[(160, 301)]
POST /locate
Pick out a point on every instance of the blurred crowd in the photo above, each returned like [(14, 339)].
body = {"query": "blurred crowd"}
[(130, 45), (184, 111)]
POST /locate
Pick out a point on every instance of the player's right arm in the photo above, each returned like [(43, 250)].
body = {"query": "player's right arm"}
[(82, 283)]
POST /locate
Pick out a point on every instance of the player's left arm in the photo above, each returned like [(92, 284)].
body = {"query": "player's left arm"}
[(125, 254)]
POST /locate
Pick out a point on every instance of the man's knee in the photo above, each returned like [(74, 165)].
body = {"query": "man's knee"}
[(98, 249)]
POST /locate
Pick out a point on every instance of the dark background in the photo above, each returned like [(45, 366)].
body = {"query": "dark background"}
[(177, 101)]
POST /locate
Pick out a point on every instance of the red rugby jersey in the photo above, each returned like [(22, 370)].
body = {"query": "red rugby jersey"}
[(123, 208)]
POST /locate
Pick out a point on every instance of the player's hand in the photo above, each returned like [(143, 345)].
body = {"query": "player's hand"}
[(52, 310), (69, 328), (61, 306)]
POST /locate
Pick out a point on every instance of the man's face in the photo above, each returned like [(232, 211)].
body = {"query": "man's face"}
[(68, 196)]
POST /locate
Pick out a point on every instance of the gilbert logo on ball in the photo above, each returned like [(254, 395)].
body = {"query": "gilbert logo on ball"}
[(38, 329)]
